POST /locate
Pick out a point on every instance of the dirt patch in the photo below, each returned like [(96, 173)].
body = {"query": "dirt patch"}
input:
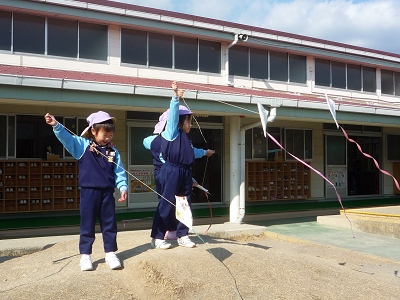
[(250, 267)]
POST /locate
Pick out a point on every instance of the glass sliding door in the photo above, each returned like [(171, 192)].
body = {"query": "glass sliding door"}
[(336, 165)]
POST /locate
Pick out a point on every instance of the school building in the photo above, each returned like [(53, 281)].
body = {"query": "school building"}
[(71, 58)]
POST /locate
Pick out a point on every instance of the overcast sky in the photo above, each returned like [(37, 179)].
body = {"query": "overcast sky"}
[(372, 24)]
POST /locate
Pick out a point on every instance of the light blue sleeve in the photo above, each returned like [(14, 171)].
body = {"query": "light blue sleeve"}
[(120, 175), (147, 141), (171, 130), (76, 145), (198, 153)]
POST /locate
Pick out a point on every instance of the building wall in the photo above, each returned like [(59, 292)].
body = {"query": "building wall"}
[(113, 66)]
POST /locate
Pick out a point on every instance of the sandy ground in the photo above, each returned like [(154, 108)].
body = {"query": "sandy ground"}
[(248, 267)]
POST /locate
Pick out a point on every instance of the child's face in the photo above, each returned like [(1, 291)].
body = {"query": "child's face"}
[(102, 137), (187, 124)]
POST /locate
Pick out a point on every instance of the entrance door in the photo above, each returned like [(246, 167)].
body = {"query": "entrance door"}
[(363, 176), (207, 172)]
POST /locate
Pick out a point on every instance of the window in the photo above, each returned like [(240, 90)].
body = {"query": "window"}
[(258, 64), (209, 57), (280, 66), (76, 126), (160, 50), (139, 155), (278, 62), (393, 146), (93, 41), (3, 136), (322, 72), (338, 75), (273, 148), (369, 79), (297, 68), (34, 136), (387, 83), (28, 34), (62, 37), (133, 46), (354, 77), (259, 143), (11, 135), (139, 47), (239, 61), (5, 25), (185, 53), (390, 82), (345, 76), (397, 83), (257, 146), (335, 150), (299, 143)]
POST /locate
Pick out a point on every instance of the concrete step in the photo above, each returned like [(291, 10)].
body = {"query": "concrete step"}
[(384, 221)]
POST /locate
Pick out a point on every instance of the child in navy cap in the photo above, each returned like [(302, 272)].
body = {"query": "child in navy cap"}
[(100, 171)]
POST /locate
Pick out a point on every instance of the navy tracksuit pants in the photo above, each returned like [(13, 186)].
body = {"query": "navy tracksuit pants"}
[(96, 203), (174, 180)]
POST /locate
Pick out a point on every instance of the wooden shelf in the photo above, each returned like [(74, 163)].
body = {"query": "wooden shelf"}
[(38, 186), (277, 180)]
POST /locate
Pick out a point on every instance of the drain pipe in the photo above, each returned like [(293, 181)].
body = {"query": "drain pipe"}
[(242, 187), (227, 59)]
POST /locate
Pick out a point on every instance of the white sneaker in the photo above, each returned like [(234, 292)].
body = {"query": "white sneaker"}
[(113, 261), (186, 242), (160, 244), (86, 263)]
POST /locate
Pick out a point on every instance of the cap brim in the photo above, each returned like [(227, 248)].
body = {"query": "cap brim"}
[(85, 132), (159, 127)]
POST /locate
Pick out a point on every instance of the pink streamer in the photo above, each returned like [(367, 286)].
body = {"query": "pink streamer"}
[(369, 156), (319, 173)]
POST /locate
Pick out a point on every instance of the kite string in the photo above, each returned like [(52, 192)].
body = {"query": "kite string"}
[(369, 156), (129, 173), (198, 125), (318, 173), (236, 291), (298, 159), (223, 102)]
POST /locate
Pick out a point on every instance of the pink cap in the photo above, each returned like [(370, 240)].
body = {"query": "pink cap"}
[(162, 120), (96, 118)]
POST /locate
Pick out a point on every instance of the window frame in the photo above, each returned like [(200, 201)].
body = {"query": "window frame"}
[(305, 144)]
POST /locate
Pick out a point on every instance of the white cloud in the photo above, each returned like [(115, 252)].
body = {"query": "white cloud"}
[(367, 23)]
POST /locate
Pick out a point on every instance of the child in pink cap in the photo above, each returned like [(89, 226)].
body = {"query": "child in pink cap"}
[(100, 171), (153, 143)]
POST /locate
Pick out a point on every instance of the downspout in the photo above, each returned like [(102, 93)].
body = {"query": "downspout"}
[(227, 59), (242, 192)]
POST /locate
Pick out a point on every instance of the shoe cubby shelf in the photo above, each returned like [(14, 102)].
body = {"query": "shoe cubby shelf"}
[(27, 186), (277, 180)]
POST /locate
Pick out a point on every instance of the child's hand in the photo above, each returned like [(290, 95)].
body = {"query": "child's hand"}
[(194, 183), (210, 152), (50, 119), (177, 92), (123, 197), (180, 94), (175, 88)]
